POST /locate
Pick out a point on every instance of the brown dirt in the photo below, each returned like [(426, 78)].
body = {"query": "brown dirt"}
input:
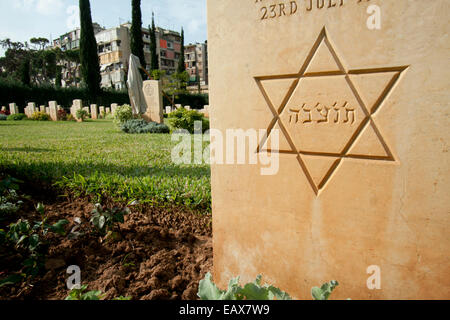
[(161, 254)]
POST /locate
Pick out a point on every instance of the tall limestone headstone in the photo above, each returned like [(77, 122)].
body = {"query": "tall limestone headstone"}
[(30, 109), (114, 107), (359, 93), (13, 108), (77, 105), (154, 99), (53, 110), (94, 111)]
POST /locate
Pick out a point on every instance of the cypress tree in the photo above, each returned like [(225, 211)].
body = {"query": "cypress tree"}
[(136, 43), (58, 79), (90, 66), (181, 61), (153, 46), (24, 72)]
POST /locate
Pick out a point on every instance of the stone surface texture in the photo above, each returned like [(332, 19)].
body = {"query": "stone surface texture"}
[(363, 120)]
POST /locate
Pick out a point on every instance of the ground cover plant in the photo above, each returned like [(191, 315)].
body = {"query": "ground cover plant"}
[(98, 160), (255, 290), (40, 116), (142, 126), (17, 117)]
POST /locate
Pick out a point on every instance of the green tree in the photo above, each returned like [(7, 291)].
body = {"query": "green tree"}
[(136, 43), (73, 57), (40, 43), (24, 72), (181, 61), (90, 66), (58, 79), (153, 46), (176, 84)]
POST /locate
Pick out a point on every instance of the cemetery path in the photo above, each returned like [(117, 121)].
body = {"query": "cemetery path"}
[(160, 253)]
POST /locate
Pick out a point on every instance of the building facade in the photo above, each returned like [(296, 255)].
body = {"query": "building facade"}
[(168, 48), (114, 53), (71, 40), (196, 59)]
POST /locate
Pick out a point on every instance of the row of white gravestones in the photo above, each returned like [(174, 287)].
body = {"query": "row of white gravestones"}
[(53, 109), (170, 109), (95, 111)]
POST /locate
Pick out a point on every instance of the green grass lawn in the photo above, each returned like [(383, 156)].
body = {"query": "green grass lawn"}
[(96, 159)]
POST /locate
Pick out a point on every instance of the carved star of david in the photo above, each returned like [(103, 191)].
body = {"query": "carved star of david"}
[(326, 162)]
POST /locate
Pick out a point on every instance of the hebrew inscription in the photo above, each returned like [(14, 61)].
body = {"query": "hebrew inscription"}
[(336, 114), (324, 113)]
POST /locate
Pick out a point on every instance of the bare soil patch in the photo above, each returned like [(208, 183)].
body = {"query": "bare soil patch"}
[(160, 254)]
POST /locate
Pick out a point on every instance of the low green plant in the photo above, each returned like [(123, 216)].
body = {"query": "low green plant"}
[(104, 220), (82, 114), (324, 292), (207, 290), (70, 117), (9, 203), (9, 198), (123, 114), (251, 291), (17, 117), (27, 239), (12, 279), (122, 298), (185, 119), (3, 117), (40, 116), (142, 126), (9, 183), (81, 294)]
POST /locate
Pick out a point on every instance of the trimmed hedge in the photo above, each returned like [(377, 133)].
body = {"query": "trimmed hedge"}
[(22, 95)]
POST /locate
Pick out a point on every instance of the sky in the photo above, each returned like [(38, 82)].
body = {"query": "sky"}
[(22, 20)]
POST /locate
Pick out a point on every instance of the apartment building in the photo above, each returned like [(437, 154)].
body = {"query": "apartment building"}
[(196, 59), (114, 52), (71, 40), (168, 48)]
